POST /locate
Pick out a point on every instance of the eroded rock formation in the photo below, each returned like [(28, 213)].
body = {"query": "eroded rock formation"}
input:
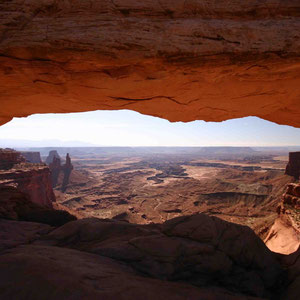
[(51, 155), (67, 169), (54, 162), (55, 168), (293, 166), (180, 60)]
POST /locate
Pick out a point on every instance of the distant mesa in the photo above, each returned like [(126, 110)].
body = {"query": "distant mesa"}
[(293, 166), (32, 157)]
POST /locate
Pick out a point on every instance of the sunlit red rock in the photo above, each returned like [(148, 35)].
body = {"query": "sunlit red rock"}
[(179, 60)]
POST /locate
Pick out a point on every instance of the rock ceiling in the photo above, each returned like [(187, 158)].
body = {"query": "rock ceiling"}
[(181, 60)]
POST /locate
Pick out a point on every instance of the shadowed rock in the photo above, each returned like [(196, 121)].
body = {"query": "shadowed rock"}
[(32, 157), (293, 166), (67, 169), (9, 158), (15, 205), (51, 155), (200, 250), (55, 168)]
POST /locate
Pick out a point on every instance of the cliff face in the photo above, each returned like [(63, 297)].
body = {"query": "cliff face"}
[(33, 180), (16, 205), (180, 60), (8, 158), (32, 157), (293, 166)]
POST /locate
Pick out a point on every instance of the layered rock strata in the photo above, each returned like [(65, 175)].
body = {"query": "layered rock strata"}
[(180, 60), (9, 158), (33, 180)]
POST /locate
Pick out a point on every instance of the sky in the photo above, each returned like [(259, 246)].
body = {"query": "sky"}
[(129, 128)]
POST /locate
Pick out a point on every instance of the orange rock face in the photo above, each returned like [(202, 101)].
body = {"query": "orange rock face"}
[(180, 60), (32, 179)]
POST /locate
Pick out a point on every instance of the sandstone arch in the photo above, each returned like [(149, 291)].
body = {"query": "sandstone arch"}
[(180, 60)]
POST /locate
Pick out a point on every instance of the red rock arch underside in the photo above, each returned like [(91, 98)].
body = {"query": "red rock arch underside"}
[(179, 60)]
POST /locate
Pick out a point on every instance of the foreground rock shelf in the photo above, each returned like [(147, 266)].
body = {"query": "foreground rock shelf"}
[(194, 257)]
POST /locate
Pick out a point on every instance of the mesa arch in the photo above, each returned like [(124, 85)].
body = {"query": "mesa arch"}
[(177, 59)]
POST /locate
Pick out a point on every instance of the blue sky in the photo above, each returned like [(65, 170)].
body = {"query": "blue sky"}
[(129, 128)]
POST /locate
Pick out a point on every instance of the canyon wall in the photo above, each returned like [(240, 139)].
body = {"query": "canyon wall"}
[(181, 60), (31, 179), (34, 181)]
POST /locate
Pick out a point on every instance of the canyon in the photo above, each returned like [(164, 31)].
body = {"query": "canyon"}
[(175, 228), (177, 222)]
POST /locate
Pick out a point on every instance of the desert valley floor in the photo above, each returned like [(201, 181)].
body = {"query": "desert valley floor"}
[(147, 186)]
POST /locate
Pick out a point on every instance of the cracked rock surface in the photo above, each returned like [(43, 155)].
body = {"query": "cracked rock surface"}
[(181, 60)]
